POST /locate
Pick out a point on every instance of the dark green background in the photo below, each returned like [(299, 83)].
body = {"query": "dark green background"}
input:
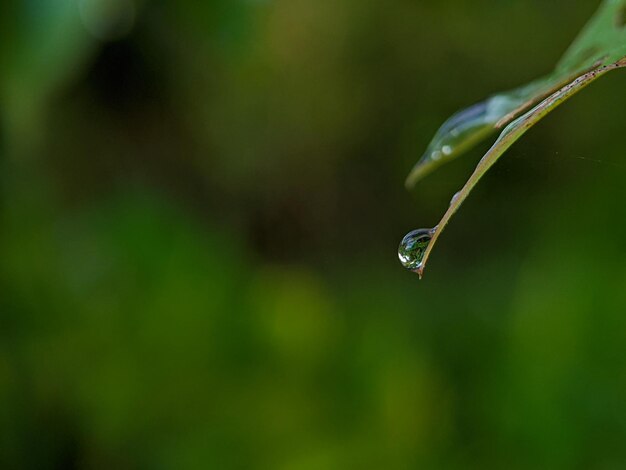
[(199, 214)]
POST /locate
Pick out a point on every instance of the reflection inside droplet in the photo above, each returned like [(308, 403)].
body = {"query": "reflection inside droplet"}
[(413, 247)]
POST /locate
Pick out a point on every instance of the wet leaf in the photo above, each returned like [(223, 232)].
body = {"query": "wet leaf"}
[(600, 48), (601, 42)]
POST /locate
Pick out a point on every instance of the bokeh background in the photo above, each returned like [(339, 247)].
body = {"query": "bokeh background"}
[(201, 203)]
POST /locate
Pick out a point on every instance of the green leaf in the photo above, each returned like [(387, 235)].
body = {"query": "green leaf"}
[(600, 48), (601, 42)]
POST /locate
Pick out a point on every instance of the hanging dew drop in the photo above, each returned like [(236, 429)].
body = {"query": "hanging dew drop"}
[(413, 247)]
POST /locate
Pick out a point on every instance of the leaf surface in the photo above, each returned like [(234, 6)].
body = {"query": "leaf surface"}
[(599, 49)]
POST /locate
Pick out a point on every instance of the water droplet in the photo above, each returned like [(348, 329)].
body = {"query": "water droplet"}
[(455, 197), (413, 247), (446, 150)]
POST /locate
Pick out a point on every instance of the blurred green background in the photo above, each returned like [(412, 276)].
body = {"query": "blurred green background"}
[(200, 207)]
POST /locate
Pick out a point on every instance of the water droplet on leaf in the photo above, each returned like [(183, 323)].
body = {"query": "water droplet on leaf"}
[(455, 197), (413, 247)]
